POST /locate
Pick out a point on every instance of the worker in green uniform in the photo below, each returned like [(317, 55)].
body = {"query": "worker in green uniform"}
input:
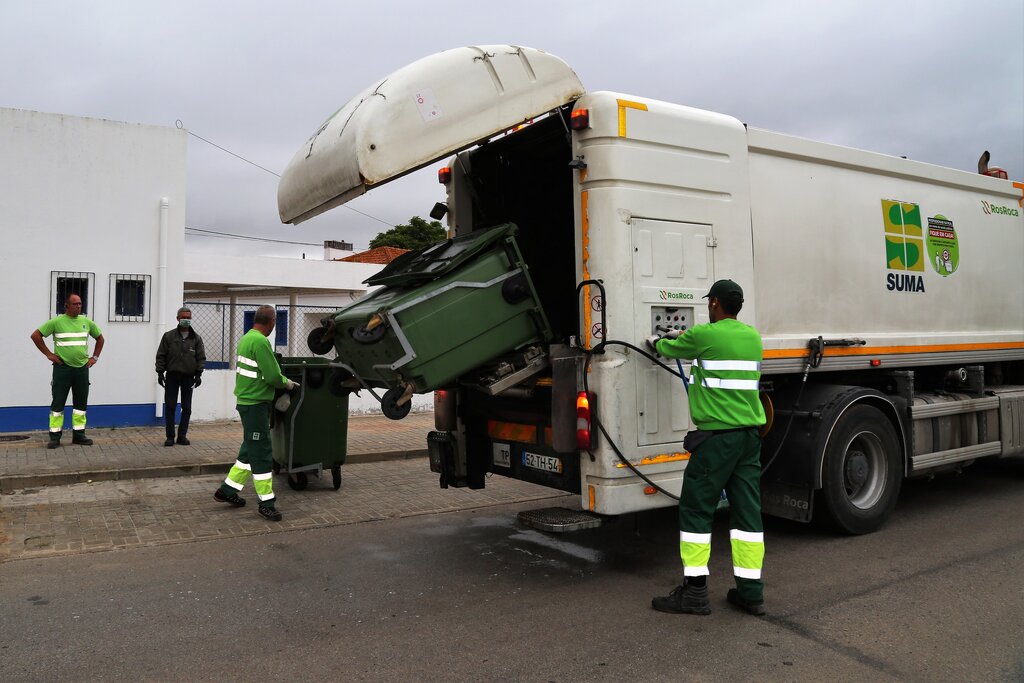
[(725, 452), (256, 376), (71, 362)]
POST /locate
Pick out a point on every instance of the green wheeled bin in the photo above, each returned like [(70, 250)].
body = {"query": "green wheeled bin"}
[(438, 313), (310, 435)]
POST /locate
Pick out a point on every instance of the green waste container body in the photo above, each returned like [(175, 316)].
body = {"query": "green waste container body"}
[(447, 309), (312, 434)]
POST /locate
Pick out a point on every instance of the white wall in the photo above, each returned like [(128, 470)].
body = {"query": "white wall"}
[(82, 194)]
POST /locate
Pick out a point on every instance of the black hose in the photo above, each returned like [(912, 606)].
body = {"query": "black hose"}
[(597, 421)]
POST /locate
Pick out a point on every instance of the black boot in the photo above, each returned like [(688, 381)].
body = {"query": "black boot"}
[(748, 606), (54, 441), (684, 599), (80, 438)]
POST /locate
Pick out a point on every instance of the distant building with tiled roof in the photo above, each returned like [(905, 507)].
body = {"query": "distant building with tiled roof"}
[(381, 255)]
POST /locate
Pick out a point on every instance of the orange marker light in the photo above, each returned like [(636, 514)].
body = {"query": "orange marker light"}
[(875, 362), (579, 119), (444, 175)]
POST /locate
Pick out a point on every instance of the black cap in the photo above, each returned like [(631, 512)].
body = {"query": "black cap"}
[(725, 289)]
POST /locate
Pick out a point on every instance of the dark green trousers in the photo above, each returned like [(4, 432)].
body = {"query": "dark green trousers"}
[(255, 457), (729, 461), (67, 379)]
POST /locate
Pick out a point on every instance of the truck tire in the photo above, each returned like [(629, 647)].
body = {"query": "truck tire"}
[(862, 471)]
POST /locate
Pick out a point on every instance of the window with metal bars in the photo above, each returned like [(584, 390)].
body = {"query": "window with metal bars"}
[(129, 298), (63, 283)]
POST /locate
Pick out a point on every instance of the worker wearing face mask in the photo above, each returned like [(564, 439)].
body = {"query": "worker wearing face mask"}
[(257, 375), (180, 359)]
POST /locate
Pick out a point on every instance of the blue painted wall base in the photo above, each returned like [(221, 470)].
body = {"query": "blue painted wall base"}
[(37, 418)]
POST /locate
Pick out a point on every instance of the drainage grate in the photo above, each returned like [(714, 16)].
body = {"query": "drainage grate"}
[(559, 519), (13, 437)]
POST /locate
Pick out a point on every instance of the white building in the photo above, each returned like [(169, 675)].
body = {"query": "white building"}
[(97, 208), (73, 193)]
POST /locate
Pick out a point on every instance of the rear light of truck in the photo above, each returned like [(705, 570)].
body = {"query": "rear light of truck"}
[(444, 175), (583, 441), (579, 119)]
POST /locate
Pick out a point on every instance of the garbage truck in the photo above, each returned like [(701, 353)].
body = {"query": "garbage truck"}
[(889, 293)]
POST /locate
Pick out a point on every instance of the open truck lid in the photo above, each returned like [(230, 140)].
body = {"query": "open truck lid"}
[(423, 112)]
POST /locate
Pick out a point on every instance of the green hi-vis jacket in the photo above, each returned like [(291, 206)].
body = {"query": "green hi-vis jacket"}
[(70, 338), (726, 371), (257, 372)]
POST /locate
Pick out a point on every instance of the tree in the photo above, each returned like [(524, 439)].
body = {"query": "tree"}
[(415, 234)]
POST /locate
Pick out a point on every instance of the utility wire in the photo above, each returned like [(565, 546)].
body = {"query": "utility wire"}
[(181, 126), (228, 235)]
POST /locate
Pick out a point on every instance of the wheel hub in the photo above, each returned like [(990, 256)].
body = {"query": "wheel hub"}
[(857, 470)]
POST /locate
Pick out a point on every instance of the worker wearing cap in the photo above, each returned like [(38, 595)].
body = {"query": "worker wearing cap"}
[(71, 362), (725, 452), (257, 374)]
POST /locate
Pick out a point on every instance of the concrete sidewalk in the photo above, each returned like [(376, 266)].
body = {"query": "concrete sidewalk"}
[(138, 452)]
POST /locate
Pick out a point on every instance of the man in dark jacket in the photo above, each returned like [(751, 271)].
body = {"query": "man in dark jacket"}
[(179, 365)]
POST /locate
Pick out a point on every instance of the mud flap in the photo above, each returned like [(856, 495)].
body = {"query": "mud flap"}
[(787, 501)]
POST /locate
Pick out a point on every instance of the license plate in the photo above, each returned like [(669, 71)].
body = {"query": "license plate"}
[(502, 455), (544, 463)]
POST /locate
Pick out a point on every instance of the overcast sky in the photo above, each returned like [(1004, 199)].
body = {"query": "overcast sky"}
[(936, 81)]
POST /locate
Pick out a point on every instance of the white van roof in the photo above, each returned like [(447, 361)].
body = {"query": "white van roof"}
[(423, 112)]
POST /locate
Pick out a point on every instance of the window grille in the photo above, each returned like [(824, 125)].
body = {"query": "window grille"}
[(65, 282), (129, 298)]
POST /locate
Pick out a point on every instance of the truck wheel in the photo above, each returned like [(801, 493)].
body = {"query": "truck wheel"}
[(317, 342), (298, 481), (389, 404), (863, 470)]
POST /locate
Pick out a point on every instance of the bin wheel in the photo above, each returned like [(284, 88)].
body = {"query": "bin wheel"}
[(314, 378), (365, 336), (298, 481), (336, 476), (389, 404), (317, 342), (275, 467)]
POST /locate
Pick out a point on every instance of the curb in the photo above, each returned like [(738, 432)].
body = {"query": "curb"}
[(12, 483)]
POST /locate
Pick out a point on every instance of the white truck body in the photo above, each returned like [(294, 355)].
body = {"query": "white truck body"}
[(917, 268)]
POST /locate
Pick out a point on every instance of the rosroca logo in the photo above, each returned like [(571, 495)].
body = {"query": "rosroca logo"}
[(996, 209)]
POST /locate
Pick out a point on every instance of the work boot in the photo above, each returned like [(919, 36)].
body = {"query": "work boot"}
[(267, 512), (232, 498), (182, 441), (749, 606), (79, 438), (169, 441), (54, 441), (684, 599)]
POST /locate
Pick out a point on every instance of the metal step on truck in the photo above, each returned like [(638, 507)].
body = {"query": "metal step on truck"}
[(889, 293)]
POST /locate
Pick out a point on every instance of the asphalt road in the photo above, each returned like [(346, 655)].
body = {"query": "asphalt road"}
[(936, 595)]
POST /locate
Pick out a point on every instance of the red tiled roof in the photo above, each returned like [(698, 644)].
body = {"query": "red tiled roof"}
[(378, 255)]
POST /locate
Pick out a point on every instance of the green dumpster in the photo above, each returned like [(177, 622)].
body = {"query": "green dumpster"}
[(310, 435), (439, 312)]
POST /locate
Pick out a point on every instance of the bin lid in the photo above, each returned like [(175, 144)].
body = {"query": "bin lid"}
[(423, 265), (419, 114)]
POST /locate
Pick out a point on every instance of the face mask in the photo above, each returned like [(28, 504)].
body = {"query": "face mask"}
[(184, 322)]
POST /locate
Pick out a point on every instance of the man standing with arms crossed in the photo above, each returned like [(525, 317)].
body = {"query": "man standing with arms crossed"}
[(71, 362), (725, 453), (179, 365), (256, 376)]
